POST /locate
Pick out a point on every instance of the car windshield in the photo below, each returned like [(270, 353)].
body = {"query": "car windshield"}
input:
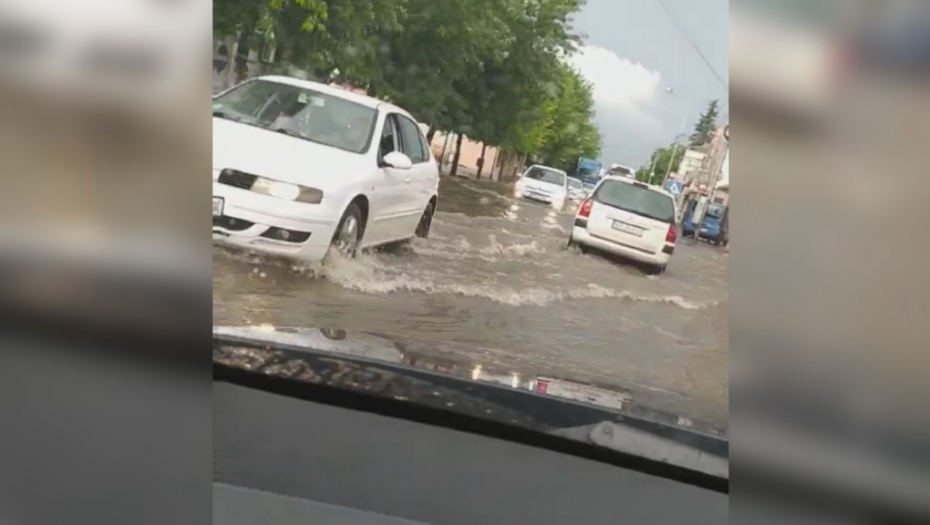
[(458, 229), (546, 175), (299, 112), (636, 199)]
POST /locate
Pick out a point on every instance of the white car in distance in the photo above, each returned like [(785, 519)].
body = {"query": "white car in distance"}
[(576, 191), (300, 166), (628, 218), (543, 184)]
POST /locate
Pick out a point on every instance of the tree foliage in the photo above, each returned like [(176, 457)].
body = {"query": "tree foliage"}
[(706, 125), (663, 158), (491, 69)]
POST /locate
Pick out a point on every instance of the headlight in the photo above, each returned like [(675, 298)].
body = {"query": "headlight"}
[(287, 191)]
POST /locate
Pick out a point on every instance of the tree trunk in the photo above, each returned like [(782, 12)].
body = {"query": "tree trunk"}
[(458, 152), (232, 50), (501, 162), (442, 155), (481, 160), (430, 135)]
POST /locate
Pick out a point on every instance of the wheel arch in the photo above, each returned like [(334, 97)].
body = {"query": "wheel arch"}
[(364, 207)]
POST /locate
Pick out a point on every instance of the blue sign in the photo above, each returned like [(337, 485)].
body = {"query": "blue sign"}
[(674, 187)]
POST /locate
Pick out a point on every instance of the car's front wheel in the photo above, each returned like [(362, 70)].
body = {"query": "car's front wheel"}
[(349, 232)]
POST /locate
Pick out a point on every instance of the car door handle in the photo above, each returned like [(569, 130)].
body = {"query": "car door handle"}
[(407, 179)]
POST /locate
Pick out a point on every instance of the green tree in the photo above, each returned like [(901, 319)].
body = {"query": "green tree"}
[(662, 158), (706, 125), (572, 133)]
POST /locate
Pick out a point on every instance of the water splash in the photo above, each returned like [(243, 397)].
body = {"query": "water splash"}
[(364, 275)]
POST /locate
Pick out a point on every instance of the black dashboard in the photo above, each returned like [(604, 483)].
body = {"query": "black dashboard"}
[(281, 460)]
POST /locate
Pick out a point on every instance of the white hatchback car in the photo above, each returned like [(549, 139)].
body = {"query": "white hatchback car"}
[(628, 218), (543, 184), (300, 166)]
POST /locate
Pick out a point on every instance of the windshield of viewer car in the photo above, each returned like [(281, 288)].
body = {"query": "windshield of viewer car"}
[(634, 199), (315, 116), (546, 175)]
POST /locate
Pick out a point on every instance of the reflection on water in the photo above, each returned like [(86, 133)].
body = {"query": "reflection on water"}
[(494, 284)]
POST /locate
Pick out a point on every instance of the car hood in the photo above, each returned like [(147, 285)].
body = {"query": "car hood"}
[(258, 151), (543, 186)]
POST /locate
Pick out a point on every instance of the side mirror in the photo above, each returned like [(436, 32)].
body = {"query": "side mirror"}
[(397, 160)]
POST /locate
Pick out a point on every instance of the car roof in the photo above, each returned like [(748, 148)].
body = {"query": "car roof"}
[(628, 180), (336, 91)]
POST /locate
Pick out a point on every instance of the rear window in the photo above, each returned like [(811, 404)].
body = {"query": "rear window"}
[(575, 183), (635, 199), (546, 175)]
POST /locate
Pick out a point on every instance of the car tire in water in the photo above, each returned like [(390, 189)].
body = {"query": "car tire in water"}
[(348, 234), (426, 221), (655, 270)]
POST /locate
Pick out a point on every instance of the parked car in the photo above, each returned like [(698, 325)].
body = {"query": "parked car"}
[(715, 227), (576, 191), (628, 218), (300, 166), (543, 184)]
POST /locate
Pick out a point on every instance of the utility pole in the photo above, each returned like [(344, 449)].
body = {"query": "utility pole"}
[(718, 169), (652, 169)]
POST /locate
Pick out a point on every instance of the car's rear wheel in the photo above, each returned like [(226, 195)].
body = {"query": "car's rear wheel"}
[(655, 270), (426, 221), (349, 232)]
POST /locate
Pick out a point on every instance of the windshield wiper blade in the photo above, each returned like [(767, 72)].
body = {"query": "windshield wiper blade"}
[(222, 114), (289, 132), (630, 440)]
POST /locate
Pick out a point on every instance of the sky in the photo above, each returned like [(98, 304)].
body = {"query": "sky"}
[(646, 74)]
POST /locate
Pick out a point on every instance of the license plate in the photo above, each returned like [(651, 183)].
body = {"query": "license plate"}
[(217, 206), (628, 228)]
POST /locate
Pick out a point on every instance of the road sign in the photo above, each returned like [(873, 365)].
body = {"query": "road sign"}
[(674, 187)]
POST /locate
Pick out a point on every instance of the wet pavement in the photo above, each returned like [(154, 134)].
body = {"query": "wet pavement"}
[(495, 286)]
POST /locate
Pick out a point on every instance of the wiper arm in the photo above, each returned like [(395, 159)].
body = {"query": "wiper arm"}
[(289, 132), (643, 444), (222, 114)]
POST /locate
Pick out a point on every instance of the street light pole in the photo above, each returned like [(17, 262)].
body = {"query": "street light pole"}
[(671, 161)]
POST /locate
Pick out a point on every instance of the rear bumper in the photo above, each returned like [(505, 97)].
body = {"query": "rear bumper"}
[(704, 234), (581, 236)]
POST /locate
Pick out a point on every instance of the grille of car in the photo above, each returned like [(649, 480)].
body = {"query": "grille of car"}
[(237, 179)]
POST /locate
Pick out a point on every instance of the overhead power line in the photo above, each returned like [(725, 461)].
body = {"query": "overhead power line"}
[(694, 45)]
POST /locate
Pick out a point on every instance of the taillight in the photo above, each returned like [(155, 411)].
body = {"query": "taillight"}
[(585, 209), (672, 234)]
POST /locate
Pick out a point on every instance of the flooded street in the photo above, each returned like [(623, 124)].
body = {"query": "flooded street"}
[(495, 285)]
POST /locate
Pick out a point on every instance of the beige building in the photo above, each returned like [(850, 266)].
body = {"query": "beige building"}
[(468, 159), (691, 162)]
